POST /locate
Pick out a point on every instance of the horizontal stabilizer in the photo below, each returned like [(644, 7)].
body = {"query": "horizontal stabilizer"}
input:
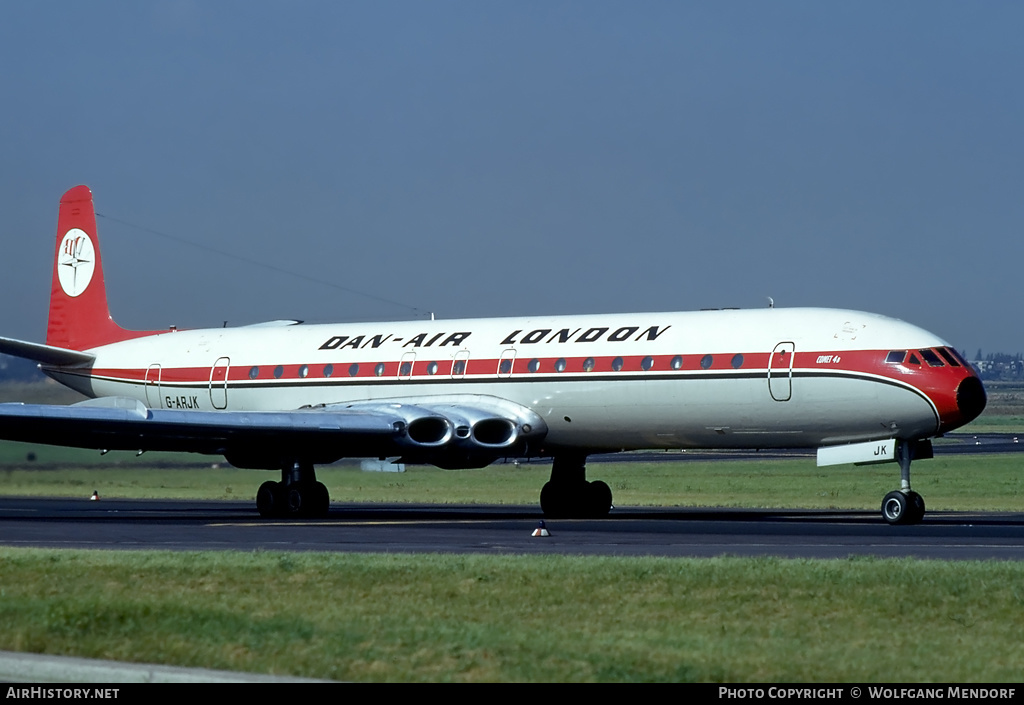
[(46, 354)]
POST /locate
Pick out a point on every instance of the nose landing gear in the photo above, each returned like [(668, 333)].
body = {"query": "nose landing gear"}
[(904, 506)]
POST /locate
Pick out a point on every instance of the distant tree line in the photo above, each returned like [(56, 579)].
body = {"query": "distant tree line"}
[(999, 366)]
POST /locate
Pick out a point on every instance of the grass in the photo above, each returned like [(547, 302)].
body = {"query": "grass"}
[(967, 482), (1004, 412), (995, 424), (471, 618), (511, 618)]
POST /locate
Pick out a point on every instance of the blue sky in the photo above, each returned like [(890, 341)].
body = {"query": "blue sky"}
[(485, 158)]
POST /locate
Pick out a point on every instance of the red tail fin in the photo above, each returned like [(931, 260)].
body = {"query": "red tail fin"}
[(79, 316)]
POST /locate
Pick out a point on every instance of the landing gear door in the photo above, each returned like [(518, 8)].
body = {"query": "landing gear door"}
[(153, 398), (780, 371), (219, 383)]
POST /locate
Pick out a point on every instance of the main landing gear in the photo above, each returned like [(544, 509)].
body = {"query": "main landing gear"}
[(568, 495), (298, 494), (904, 506)]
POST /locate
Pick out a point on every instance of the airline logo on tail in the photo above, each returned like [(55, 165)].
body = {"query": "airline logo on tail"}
[(77, 262)]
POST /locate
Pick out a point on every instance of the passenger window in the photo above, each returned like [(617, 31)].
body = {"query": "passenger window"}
[(560, 365), (677, 362), (588, 365), (705, 362), (534, 365), (617, 364), (647, 363), (737, 361)]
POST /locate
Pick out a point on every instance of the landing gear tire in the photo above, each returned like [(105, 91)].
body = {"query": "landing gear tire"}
[(308, 500), (276, 500), (599, 498), (270, 500), (584, 500), (903, 508), (554, 501), (915, 507), (321, 500)]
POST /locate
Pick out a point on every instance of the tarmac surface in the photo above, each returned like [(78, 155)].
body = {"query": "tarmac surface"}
[(17, 667), (123, 524), (223, 525), (234, 525)]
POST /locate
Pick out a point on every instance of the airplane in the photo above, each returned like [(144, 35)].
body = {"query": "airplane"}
[(287, 396)]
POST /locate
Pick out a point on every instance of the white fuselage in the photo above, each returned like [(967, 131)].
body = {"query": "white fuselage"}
[(730, 378)]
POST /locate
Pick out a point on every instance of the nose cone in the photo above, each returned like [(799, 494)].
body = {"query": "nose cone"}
[(970, 399)]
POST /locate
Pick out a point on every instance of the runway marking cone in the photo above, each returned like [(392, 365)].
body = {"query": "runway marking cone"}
[(541, 530), (95, 495)]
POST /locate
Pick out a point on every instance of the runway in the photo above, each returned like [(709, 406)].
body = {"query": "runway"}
[(123, 524), (234, 525)]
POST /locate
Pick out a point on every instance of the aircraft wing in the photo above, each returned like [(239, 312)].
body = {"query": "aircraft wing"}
[(462, 431)]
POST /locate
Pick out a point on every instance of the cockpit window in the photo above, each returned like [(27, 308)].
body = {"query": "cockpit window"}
[(895, 357), (931, 358), (912, 359), (955, 353), (949, 357)]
